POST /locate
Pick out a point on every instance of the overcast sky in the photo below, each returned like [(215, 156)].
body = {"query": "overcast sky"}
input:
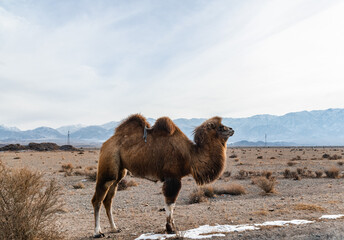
[(90, 62)]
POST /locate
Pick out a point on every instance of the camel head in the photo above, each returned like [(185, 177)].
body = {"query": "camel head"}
[(212, 129)]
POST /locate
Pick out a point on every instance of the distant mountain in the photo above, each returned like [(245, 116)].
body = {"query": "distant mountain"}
[(71, 128), (321, 127)]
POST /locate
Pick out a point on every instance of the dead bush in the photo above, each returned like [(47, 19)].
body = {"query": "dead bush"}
[(340, 163), (208, 191), (233, 156), (197, 196), (290, 163), (335, 157), (325, 155), (287, 173), (268, 185), (231, 189), (124, 184), (267, 174), (67, 167), (333, 172), (308, 207), (28, 205), (318, 174), (242, 174), (91, 175), (79, 185)]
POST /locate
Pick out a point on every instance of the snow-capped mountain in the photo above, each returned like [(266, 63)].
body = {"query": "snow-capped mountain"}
[(321, 127)]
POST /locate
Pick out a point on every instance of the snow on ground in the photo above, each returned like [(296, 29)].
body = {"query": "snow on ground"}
[(207, 231)]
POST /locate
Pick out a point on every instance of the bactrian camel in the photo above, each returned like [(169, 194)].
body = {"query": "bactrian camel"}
[(159, 153)]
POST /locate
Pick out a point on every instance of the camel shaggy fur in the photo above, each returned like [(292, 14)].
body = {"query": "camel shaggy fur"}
[(159, 153)]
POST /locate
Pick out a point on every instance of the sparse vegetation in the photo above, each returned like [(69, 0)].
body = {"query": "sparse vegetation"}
[(267, 185), (231, 189), (308, 207), (28, 205), (124, 184), (78, 185), (332, 172), (318, 174)]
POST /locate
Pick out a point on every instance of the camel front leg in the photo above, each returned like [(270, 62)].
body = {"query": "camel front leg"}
[(171, 190)]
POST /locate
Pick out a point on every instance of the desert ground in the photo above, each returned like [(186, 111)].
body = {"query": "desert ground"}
[(139, 209)]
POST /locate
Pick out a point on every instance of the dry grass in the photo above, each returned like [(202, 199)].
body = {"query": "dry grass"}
[(332, 172), (28, 205), (124, 184), (197, 196), (318, 174), (231, 189), (308, 207), (267, 185), (78, 185), (291, 163)]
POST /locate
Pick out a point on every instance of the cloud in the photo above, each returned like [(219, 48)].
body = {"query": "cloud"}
[(89, 62)]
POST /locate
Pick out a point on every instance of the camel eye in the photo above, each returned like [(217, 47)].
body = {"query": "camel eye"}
[(221, 128)]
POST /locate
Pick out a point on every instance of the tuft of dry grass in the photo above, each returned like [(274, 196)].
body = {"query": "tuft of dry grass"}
[(197, 196), (124, 184), (28, 205), (79, 185), (332, 172), (308, 207), (318, 174), (231, 189), (267, 185), (291, 163), (208, 191)]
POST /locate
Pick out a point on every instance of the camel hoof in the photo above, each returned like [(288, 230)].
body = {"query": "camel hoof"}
[(99, 235), (169, 229)]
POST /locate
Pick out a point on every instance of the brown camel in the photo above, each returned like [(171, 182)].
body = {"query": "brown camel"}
[(159, 153)]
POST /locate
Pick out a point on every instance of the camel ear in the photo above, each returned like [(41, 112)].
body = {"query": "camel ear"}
[(211, 125)]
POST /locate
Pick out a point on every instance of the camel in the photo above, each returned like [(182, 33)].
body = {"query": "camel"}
[(159, 153)]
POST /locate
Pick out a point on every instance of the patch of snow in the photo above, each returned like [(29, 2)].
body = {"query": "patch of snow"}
[(331, 216), (207, 231), (281, 223)]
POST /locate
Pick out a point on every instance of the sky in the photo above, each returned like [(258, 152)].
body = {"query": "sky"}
[(91, 62)]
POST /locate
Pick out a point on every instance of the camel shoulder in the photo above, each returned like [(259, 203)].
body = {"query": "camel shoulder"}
[(165, 125)]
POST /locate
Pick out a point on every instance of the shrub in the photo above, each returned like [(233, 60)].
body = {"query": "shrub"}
[(287, 173), (79, 185), (325, 155), (290, 163), (124, 184), (242, 174), (233, 156), (340, 163), (308, 207), (197, 196), (335, 157), (268, 185), (333, 172), (318, 174), (231, 189), (208, 191), (28, 205)]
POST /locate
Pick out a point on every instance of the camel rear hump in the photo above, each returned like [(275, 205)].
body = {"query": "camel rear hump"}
[(165, 125)]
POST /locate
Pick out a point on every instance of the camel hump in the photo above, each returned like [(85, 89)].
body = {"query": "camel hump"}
[(166, 125), (133, 121)]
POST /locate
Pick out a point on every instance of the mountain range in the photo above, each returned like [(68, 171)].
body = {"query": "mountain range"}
[(319, 127)]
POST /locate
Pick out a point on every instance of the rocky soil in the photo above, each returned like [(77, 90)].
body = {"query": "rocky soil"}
[(139, 209)]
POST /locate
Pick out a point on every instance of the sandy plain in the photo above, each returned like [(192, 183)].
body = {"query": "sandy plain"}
[(138, 210)]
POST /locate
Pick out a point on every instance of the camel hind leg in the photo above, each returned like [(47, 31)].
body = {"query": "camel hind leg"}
[(109, 171), (108, 200)]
